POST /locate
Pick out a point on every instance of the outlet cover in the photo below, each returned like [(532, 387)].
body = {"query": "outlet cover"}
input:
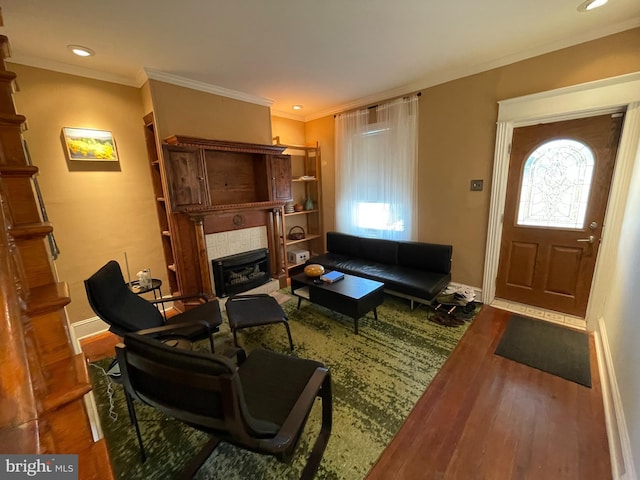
[(476, 185)]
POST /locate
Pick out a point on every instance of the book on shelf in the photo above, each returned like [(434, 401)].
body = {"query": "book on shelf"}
[(332, 277)]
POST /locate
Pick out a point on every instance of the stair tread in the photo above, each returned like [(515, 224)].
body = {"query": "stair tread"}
[(47, 298)]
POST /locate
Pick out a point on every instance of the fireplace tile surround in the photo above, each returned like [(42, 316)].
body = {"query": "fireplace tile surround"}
[(223, 244)]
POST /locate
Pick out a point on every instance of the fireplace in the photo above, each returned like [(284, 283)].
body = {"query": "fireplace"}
[(241, 272)]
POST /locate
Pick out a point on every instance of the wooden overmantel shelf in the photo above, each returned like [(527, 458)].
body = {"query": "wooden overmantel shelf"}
[(225, 145), (216, 209)]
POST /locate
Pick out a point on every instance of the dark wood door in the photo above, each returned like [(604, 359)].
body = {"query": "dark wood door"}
[(185, 177), (280, 172), (557, 191)]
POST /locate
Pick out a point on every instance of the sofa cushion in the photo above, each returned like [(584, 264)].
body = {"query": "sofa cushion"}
[(414, 282), (342, 243), (431, 257), (378, 250), (410, 281), (331, 261)]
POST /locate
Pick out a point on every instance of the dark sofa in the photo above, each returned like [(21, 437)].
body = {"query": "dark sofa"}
[(415, 270)]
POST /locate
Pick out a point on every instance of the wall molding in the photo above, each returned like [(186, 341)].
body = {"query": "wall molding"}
[(205, 87), (617, 433)]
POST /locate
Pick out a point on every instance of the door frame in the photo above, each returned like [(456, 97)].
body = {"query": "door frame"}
[(610, 95)]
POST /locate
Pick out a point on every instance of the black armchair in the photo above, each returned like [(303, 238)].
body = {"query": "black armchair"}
[(126, 312), (262, 405)]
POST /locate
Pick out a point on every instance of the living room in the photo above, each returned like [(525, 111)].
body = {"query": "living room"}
[(100, 215)]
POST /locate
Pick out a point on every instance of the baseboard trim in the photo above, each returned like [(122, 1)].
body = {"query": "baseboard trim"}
[(88, 328), (622, 462)]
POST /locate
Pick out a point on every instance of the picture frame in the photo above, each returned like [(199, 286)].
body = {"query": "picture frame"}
[(89, 144)]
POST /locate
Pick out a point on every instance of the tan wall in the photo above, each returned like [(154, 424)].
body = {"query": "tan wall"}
[(457, 139), (322, 131), (145, 92), (290, 132), (97, 215), (182, 111)]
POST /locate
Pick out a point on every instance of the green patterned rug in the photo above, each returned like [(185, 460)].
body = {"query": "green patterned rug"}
[(377, 377)]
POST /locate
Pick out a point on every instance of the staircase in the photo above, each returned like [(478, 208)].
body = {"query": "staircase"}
[(42, 380)]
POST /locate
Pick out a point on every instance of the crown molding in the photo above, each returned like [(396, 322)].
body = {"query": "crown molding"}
[(140, 78), (205, 87), (289, 115), (72, 70)]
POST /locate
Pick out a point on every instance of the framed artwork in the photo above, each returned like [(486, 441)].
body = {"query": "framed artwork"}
[(88, 144)]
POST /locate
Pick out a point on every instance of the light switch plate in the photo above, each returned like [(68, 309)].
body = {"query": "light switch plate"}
[(476, 185)]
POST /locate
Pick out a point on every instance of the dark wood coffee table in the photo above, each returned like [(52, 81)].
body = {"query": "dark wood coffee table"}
[(352, 296)]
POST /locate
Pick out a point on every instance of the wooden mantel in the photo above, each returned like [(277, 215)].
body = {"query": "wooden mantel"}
[(213, 186), (234, 207), (222, 145)]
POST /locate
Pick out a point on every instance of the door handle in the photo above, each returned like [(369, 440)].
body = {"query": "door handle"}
[(591, 239)]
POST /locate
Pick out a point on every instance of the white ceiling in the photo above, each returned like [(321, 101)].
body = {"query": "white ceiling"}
[(324, 54)]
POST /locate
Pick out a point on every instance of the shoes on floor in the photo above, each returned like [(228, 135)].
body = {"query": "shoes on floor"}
[(444, 319)]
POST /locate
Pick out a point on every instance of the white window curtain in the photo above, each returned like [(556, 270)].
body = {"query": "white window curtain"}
[(376, 171)]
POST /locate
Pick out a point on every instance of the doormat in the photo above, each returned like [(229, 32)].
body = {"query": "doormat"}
[(551, 348)]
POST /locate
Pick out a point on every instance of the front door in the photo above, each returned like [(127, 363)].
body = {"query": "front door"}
[(557, 192)]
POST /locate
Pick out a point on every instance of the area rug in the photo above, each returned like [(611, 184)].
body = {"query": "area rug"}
[(551, 348), (377, 377)]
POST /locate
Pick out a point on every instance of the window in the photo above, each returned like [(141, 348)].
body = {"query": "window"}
[(376, 165), (556, 181)]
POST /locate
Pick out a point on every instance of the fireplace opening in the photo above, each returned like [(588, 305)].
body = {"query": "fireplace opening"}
[(241, 272)]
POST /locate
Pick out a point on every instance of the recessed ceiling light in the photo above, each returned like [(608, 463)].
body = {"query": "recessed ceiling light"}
[(81, 51), (590, 5), (297, 107)]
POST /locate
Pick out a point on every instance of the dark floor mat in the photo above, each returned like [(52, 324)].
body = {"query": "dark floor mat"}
[(551, 348)]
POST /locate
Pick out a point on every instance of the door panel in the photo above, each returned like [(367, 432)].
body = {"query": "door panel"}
[(563, 268), (556, 199), (521, 264)]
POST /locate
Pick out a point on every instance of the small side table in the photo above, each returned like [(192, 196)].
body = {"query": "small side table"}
[(156, 283)]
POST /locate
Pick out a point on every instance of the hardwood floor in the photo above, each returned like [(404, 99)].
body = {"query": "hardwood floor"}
[(486, 417), (99, 346)]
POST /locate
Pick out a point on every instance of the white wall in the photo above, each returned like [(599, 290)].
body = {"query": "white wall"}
[(622, 321)]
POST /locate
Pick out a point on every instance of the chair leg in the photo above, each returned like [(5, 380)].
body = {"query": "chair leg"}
[(235, 337), (205, 452), (211, 344), (313, 462), (286, 325), (134, 420)]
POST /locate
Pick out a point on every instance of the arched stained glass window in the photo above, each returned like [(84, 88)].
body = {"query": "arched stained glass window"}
[(555, 185)]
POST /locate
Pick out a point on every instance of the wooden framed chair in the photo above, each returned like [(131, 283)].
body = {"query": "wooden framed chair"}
[(126, 312), (261, 405)]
